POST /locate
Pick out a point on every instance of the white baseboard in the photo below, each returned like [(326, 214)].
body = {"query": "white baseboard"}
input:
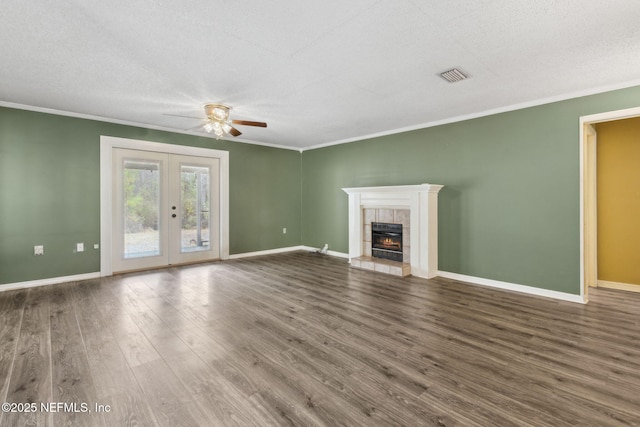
[(267, 252), (514, 287), (50, 281), (96, 275), (287, 249), (330, 253), (618, 285), (455, 276)]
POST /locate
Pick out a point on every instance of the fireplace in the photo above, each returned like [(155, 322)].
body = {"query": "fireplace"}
[(413, 206), (386, 241)]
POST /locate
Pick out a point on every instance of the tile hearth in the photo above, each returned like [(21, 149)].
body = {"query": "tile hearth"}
[(380, 265)]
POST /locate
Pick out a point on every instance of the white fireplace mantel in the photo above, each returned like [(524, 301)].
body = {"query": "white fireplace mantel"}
[(421, 200)]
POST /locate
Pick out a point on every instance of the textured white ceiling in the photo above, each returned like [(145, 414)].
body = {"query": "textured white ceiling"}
[(317, 72)]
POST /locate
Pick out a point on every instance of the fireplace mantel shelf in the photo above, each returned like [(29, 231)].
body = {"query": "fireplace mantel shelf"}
[(394, 189), (421, 200)]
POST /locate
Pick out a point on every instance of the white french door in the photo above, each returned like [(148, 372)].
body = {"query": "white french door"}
[(166, 209)]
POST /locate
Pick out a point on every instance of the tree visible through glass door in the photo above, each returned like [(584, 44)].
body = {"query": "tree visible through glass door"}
[(194, 185), (141, 188)]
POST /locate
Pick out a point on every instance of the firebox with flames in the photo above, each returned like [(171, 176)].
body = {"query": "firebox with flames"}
[(386, 241), (390, 243)]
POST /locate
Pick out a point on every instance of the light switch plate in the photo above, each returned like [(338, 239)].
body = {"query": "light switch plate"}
[(79, 247), (38, 250)]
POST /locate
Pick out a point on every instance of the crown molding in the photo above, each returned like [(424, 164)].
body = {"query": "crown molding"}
[(135, 124), (485, 113)]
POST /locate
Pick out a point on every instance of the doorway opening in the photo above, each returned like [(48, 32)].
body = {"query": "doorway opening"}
[(161, 204), (589, 199)]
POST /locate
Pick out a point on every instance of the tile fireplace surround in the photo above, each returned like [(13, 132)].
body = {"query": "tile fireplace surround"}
[(413, 206)]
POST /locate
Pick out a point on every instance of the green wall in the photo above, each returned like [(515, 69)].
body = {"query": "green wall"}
[(50, 192), (509, 210)]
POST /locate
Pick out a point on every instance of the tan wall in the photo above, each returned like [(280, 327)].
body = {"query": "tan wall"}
[(618, 171)]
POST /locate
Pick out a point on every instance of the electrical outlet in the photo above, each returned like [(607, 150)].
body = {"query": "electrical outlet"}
[(284, 230), (79, 247), (38, 250), (96, 246)]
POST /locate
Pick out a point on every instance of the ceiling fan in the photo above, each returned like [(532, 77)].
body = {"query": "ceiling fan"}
[(217, 121)]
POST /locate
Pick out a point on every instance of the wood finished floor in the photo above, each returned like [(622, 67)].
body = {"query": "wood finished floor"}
[(302, 339)]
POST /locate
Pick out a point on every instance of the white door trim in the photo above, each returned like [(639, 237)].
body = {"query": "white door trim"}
[(588, 233), (107, 144)]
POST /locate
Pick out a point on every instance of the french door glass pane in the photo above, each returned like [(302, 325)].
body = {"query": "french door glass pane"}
[(141, 208), (194, 195)]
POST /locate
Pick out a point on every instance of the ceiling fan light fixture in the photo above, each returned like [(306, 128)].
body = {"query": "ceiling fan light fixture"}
[(217, 121), (220, 114), (217, 112), (217, 128)]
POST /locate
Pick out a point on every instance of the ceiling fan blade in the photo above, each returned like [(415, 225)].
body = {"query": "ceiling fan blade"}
[(249, 123), (235, 132), (200, 126), (178, 115)]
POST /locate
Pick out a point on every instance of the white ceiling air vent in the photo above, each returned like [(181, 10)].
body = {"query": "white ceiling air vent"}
[(453, 75)]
